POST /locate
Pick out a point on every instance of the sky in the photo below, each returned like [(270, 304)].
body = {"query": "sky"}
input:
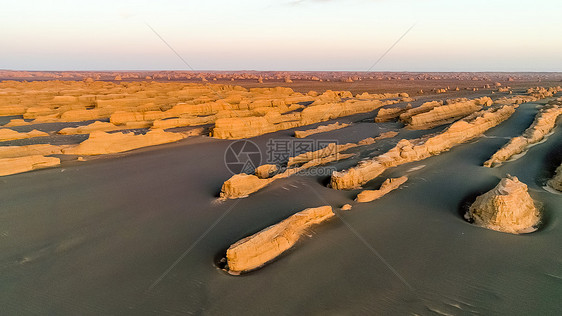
[(283, 35)]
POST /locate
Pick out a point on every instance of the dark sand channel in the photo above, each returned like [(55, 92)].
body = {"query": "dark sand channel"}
[(104, 237)]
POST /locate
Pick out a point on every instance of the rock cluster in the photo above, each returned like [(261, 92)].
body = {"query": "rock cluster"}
[(506, 208), (443, 114), (544, 123), (256, 250), (385, 115), (242, 185), (414, 150)]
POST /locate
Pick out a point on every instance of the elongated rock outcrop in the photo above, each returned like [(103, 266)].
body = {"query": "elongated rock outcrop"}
[(23, 164), (556, 181), (256, 250), (387, 186), (506, 208), (8, 134), (242, 185), (320, 129), (30, 150), (236, 128), (100, 143), (443, 114), (418, 149), (87, 129), (385, 115), (544, 123)]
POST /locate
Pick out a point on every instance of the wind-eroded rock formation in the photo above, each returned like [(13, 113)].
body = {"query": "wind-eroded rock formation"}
[(256, 250), (8, 134), (87, 129), (385, 115), (320, 129), (387, 186), (506, 208), (101, 143), (443, 114), (30, 150), (242, 185), (235, 128), (27, 163), (556, 181), (414, 150), (544, 123)]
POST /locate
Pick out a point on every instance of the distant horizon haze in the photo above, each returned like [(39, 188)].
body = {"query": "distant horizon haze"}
[(298, 35)]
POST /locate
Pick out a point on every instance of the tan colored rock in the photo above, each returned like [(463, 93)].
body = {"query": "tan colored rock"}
[(418, 149), (387, 186), (17, 122), (385, 115), (29, 150), (506, 208), (8, 134), (265, 171), (556, 181), (87, 129), (8, 110), (257, 250), (443, 114), (101, 143), (320, 129), (346, 207), (237, 128), (242, 185), (23, 164), (544, 123), (425, 107)]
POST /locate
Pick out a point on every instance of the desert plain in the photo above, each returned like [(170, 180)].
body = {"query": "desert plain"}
[(432, 193)]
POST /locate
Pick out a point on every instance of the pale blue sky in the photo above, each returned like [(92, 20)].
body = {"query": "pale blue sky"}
[(461, 35)]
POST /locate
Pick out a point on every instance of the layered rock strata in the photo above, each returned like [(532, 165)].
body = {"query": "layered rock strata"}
[(506, 208), (544, 123), (387, 186), (418, 149), (262, 247)]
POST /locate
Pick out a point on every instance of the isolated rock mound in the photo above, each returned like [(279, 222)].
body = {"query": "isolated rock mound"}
[(544, 123), (506, 208), (556, 181), (387, 186), (256, 250)]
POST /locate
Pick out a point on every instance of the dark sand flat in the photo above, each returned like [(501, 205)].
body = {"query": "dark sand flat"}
[(138, 233)]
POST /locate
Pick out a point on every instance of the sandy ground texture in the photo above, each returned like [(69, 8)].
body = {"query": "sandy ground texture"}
[(142, 232)]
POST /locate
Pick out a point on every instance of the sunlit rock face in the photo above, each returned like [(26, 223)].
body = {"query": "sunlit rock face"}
[(387, 186), (544, 123), (418, 149), (256, 250), (506, 208)]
